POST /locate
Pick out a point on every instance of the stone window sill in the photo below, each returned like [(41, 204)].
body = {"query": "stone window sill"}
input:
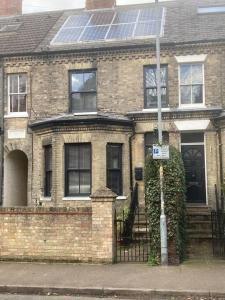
[(16, 115), (121, 198), (78, 198), (45, 199)]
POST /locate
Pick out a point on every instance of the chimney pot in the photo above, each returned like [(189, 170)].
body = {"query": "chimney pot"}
[(100, 4)]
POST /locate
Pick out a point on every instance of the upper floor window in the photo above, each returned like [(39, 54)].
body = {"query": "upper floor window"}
[(17, 93), (114, 168), (48, 171), (150, 80), (191, 84), (83, 91), (77, 169)]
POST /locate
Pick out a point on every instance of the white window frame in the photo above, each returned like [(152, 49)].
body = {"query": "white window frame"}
[(194, 105), (22, 113)]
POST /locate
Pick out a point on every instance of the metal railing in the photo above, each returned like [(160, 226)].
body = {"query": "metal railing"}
[(218, 233)]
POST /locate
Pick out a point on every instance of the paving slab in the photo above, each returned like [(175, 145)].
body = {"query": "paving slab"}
[(205, 278)]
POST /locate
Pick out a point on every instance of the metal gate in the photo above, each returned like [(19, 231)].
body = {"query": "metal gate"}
[(218, 233), (132, 237)]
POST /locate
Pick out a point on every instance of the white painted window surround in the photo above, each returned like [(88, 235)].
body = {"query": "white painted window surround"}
[(192, 61), (16, 115)]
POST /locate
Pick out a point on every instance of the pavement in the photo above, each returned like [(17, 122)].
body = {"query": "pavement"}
[(200, 279)]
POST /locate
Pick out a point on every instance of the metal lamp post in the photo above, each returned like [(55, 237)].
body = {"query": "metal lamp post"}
[(163, 225)]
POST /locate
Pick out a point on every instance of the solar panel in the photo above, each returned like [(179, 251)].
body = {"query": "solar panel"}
[(68, 35), (111, 25), (94, 33), (77, 20), (126, 16), (102, 18), (121, 31)]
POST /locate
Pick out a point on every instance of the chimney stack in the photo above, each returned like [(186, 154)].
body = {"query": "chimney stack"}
[(10, 7), (100, 4)]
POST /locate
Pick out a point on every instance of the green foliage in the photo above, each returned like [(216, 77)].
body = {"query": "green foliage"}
[(174, 194)]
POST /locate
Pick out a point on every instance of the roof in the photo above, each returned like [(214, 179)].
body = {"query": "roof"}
[(183, 24), (84, 119)]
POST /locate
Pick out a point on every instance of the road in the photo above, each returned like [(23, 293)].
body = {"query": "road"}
[(21, 297)]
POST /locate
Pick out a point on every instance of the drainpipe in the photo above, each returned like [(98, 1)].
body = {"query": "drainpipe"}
[(218, 130), (1, 128), (131, 161)]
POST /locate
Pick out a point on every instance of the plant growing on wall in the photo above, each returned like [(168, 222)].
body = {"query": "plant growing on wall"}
[(174, 193)]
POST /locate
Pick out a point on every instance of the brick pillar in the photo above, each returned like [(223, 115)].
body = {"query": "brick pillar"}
[(98, 4), (10, 7), (103, 212)]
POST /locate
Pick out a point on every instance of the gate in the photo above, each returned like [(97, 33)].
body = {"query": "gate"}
[(218, 233), (132, 233)]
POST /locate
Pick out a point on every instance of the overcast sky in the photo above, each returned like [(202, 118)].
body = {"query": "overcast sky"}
[(42, 5)]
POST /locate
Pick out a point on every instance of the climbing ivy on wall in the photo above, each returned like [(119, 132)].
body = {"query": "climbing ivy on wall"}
[(174, 194)]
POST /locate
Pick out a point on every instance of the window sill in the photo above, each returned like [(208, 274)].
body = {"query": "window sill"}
[(77, 198), (85, 113), (121, 198), (155, 109), (16, 115), (185, 106), (45, 199)]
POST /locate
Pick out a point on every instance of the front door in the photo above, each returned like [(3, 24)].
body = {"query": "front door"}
[(194, 164)]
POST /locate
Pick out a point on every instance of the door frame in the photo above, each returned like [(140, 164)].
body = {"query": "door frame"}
[(205, 161)]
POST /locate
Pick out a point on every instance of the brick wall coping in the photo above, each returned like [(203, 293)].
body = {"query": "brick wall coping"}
[(103, 194), (45, 211)]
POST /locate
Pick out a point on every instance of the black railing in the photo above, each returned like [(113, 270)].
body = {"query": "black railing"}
[(129, 222), (218, 233)]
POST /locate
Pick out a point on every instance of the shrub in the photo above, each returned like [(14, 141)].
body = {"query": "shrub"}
[(174, 195)]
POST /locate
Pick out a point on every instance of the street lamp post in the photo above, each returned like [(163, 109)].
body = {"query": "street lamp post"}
[(163, 225)]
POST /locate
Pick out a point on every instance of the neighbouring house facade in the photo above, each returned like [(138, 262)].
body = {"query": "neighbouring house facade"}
[(80, 116)]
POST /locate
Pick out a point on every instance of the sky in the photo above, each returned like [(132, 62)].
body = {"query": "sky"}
[(43, 5)]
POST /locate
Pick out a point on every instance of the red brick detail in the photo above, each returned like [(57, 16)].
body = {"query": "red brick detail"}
[(10, 7), (98, 4)]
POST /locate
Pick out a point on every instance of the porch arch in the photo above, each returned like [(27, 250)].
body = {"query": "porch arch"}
[(15, 179)]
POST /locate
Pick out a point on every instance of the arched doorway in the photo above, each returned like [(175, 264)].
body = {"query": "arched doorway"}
[(15, 179)]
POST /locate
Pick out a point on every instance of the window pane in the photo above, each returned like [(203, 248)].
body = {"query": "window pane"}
[(150, 77), (85, 183), (22, 103), (192, 137), (48, 184), (197, 94), (114, 153), (14, 99), (151, 98), (185, 74), (77, 82), (85, 157), (13, 83), (90, 81), (114, 181), (72, 157), (73, 183), (22, 83), (151, 138), (90, 102), (185, 94), (197, 76), (48, 158), (77, 102)]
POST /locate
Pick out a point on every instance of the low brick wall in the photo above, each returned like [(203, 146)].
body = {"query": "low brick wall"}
[(84, 234), (46, 234)]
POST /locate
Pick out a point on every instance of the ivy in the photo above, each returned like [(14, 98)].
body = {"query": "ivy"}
[(174, 194)]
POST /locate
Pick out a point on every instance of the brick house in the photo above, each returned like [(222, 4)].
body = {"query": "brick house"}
[(77, 116)]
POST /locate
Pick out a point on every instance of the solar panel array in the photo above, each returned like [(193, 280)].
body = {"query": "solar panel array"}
[(111, 25)]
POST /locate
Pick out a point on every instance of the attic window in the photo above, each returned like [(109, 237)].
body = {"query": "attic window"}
[(211, 9), (10, 27)]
